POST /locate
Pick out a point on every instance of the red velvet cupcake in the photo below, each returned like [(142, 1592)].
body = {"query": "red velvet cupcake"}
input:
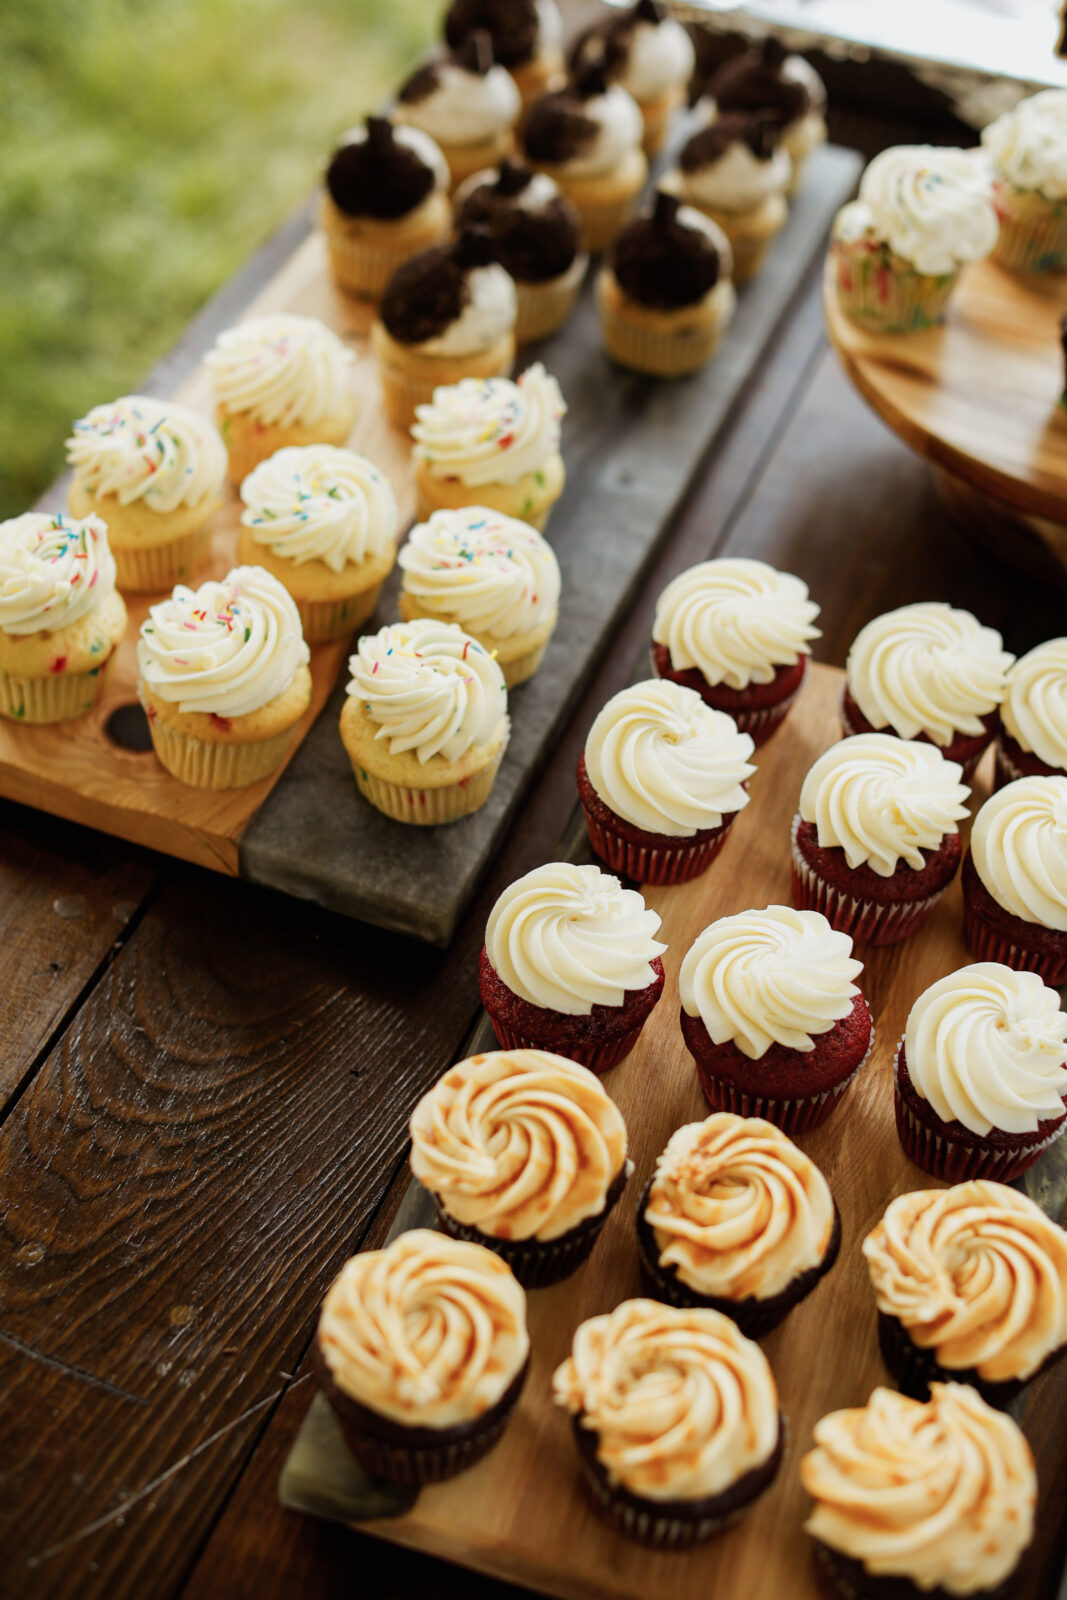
[(1015, 879), (571, 964), (1032, 741), (772, 1017), (737, 632), (875, 842)]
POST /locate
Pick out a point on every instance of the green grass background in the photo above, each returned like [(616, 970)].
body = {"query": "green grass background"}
[(149, 147)]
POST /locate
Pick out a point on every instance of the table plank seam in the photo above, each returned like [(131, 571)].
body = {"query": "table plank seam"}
[(32, 1354)]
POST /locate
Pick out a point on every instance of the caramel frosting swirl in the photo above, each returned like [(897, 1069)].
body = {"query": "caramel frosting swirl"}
[(568, 938), (521, 1144), (735, 620), (737, 1210), (154, 451), (54, 570), (883, 801), (941, 1493), (491, 430), (495, 576), (283, 370), (1019, 849), (987, 1046), (1034, 711), (927, 668), (977, 1273), (318, 503), (683, 1405), (761, 978), (430, 1331)]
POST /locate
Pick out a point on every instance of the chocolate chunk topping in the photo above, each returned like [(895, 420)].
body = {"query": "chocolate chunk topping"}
[(557, 129), (424, 296), (476, 53), (511, 178), (755, 81), (379, 176), (758, 130), (472, 247), (533, 245), (608, 42), (512, 25), (661, 262), (421, 85), (590, 81)]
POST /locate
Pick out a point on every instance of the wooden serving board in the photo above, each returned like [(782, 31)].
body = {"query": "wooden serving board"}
[(522, 1513)]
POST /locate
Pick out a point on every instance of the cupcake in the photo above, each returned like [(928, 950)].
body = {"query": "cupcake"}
[(493, 577), (280, 380), (917, 1499), (535, 234), (772, 1016), (224, 679), (971, 1287), (784, 87), (524, 1153), (923, 213), (738, 1219), (587, 137), (446, 314), (1032, 737), (61, 616), (323, 522), (739, 633), (1028, 150), (491, 442), (650, 54), (875, 840), (676, 1420), (736, 172), (422, 1350), (661, 780), (665, 296), (981, 1074), (425, 721), (386, 199), (527, 36), (152, 470), (571, 963), (1015, 879), (466, 102), (929, 672)]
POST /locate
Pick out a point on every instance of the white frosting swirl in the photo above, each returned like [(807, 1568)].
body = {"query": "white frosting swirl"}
[(490, 430), (665, 761), (927, 668), (429, 687), (735, 620), (568, 938), (318, 503), (154, 451), (987, 1046), (883, 801), (932, 206), (282, 369), (464, 107), (683, 1405), (659, 58), (549, 27), (227, 648), (1019, 849), (1034, 710), (493, 575), (619, 132), (737, 180), (1028, 144), (762, 978), (54, 570), (488, 315)]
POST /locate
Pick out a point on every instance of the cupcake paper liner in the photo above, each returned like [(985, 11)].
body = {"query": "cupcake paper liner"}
[(57, 698), (792, 1115), (915, 1368), (522, 667), (759, 725), (884, 294), (598, 1058), (543, 308), (362, 266), (323, 620), (655, 864), (986, 943), (428, 807), (1033, 231), (866, 920), (664, 353), (842, 1578), (146, 569), (205, 764), (1004, 768), (402, 393)]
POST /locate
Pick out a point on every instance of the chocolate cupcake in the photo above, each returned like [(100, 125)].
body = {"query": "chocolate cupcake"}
[(525, 1154), (971, 1287), (772, 1017), (466, 102), (737, 173), (784, 87), (1015, 879), (738, 1219), (920, 1501), (526, 34), (981, 1074), (571, 964), (676, 1420), (413, 1407), (1032, 738), (650, 54)]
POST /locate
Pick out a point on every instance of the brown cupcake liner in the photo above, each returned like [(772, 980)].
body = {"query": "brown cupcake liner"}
[(866, 920), (987, 944), (841, 1577), (794, 1115), (655, 864), (914, 1368)]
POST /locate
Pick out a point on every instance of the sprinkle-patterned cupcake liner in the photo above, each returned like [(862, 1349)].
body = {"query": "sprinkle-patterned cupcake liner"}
[(655, 864), (57, 698), (428, 807), (148, 569), (1033, 230), (323, 620), (543, 308), (795, 1115), (885, 294), (987, 943), (867, 921), (207, 764)]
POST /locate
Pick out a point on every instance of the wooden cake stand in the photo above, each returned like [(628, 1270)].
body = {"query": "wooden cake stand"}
[(978, 397)]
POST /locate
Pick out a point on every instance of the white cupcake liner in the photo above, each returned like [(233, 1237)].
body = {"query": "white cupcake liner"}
[(205, 764), (57, 698), (427, 807)]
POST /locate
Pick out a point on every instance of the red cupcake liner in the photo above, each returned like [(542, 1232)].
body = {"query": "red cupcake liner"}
[(988, 942), (598, 1058), (795, 1115), (654, 864), (866, 920), (758, 721), (853, 721), (1011, 762)]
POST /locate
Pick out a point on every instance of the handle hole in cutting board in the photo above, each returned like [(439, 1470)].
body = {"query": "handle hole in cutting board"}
[(127, 727)]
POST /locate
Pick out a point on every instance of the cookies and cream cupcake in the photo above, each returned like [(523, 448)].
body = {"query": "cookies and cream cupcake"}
[(971, 1287), (385, 199), (916, 1498), (739, 633), (738, 1219), (422, 1350), (737, 173), (770, 81), (676, 1419), (875, 838), (527, 38), (224, 678), (466, 102), (153, 471), (650, 54), (571, 963), (280, 380), (1028, 150), (61, 616), (981, 1074), (493, 576), (1032, 737), (772, 1015), (662, 779), (525, 1153), (492, 442), (1015, 879)]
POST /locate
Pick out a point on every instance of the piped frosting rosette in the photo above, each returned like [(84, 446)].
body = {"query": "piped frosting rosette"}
[(153, 452), (54, 570), (1028, 144), (1019, 850), (284, 371), (932, 208), (320, 503), (491, 430), (736, 621), (1034, 711)]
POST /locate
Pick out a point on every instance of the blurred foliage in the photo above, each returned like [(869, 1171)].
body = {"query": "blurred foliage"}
[(149, 146)]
